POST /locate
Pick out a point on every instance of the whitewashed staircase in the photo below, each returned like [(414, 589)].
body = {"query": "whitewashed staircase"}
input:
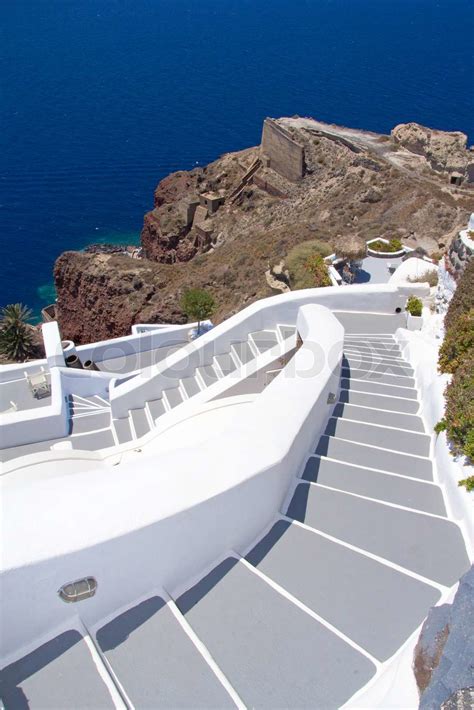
[(140, 421), (305, 618)]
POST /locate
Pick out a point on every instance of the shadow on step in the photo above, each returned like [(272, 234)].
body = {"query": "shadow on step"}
[(119, 629), (15, 674), (194, 595), (299, 503), (262, 548)]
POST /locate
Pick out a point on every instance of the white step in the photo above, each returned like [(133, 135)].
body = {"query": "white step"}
[(264, 340), (190, 385), (242, 352), (372, 415), (60, 673), (156, 662), (123, 430), (140, 422), (173, 397), (225, 363), (272, 652), (156, 407), (208, 375), (379, 401), (385, 437), (286, 331)]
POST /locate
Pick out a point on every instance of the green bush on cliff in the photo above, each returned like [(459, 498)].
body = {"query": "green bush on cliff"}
[(463, 298), (459, 412), (198, 305), (468, 483), (457, 343), (297, 264), (456, 356), (316, 266)]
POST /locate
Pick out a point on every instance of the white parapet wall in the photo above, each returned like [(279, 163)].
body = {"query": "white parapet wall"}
[(144, 337), (52, 344), (262, 314), (169, 515)]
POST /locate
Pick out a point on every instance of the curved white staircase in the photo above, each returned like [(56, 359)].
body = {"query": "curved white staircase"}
[(343, 577)]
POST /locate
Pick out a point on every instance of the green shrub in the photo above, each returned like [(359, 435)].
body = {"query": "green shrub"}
[(316, 266), (414, 306), (463, 298), (458, 342), (440, 426), (468, 483), (393, 246), (198, 305), (459, 414), (297, 259)]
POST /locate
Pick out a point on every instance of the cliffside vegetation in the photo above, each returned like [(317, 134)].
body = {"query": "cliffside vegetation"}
[(456, 356), (305, 262), (198, 305)]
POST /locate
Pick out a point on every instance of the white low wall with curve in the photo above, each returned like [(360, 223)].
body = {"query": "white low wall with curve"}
[(158, 520), (266, 313)]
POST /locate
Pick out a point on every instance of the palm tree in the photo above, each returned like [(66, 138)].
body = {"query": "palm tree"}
[(16, 336)]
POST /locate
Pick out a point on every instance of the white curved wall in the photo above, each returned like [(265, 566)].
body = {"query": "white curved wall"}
[(266, 313), (157, 521)]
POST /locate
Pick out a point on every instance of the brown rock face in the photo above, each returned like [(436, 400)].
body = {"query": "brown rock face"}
[(102, 296), (444, 150), (168, 235)]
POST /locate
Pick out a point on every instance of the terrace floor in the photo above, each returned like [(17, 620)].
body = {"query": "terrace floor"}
[(18, 391), (376, 270)]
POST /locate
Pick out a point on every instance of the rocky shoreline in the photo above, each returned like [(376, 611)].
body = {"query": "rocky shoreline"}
[(104, 248)]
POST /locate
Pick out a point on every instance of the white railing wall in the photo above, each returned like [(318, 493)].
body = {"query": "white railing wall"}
[(149, 338), (169, 516), (266, 313), (33, 425)]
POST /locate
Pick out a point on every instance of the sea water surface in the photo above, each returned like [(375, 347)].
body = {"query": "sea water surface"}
[(103, 98)]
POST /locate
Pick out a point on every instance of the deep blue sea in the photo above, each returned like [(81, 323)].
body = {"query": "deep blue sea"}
[(103, 98)]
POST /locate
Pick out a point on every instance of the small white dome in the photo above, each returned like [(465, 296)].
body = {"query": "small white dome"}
[(470, 224)]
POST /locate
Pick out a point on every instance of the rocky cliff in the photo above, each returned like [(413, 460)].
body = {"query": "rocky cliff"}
[(445, 151), (220, 227), (444, 655)]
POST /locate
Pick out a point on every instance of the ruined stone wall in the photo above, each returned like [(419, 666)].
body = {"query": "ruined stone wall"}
[(285, 154)]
